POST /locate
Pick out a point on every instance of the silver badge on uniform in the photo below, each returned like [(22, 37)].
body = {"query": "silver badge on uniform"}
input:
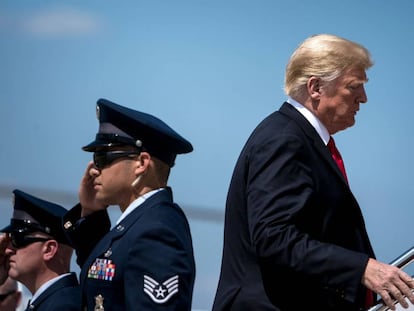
[(99, 303), (108, 253), (160, 293)]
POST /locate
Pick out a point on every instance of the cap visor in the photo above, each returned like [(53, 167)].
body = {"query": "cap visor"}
[(98, 144), (8, 229)]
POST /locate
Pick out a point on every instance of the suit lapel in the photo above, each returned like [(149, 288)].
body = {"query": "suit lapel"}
[(290, 111)]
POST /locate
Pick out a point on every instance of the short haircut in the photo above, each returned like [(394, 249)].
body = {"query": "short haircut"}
[(323, 56)]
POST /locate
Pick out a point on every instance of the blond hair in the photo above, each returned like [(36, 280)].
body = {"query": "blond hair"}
[(326, 57)]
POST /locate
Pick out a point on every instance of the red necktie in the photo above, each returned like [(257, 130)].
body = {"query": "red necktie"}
[(337, 157), (369, 298)]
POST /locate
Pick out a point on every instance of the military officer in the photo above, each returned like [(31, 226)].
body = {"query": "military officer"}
[(39, 255), (146, 261)]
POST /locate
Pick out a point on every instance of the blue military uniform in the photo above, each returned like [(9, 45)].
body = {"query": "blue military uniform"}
[(64, 294), (146, 261), (31, 214)]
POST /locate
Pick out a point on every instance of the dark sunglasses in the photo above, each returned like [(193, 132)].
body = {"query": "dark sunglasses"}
[(21, 240), (102, 159), (5, 295)]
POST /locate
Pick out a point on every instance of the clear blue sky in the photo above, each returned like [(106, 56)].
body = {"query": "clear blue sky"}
[(212, 70)]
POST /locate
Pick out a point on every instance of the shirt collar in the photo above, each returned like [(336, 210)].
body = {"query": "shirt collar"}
[(316, 123), (45, 286), (137, 202)]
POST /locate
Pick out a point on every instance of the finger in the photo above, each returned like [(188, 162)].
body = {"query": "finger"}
[(400, 298), (407, 289), (410, 297), (387, 299), (88, 175), (4, 241), (93, 172), (91, 166), (406, 278), (3, 237), (399, 291)]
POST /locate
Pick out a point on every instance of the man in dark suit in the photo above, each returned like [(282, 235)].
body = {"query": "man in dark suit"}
[(39, 256), (146, 261), (294, 236)]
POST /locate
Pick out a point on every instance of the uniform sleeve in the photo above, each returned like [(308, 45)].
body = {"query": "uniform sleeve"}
[(84, 232), (160, 270)]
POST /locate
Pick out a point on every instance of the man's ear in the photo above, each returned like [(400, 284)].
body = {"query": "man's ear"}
[(49, 249), (142, 163), (143, 160), (314, 88)]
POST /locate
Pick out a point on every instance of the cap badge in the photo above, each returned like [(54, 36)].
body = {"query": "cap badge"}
[(67, 225), (138, 143), (160, 293)]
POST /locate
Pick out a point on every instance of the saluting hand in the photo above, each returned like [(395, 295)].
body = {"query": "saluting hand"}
[(389, 282), (4, 263), (87, 191)]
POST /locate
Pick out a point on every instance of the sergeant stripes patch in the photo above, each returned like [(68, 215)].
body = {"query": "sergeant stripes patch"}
[(160, 293)]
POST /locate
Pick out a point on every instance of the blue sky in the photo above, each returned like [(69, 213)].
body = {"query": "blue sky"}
[(212, 70)]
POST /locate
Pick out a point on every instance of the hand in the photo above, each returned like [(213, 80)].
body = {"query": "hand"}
[(4, 263), (389, 282), (87, 192)]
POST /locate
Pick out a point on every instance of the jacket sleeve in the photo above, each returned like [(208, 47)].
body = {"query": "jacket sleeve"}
[(163, 276), (84, 233)]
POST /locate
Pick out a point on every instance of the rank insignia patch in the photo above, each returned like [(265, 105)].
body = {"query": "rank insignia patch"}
[(160, 293), (102, 269)]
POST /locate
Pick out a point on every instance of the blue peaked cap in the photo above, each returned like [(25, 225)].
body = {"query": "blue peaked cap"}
[(33, 214), (122, 126)]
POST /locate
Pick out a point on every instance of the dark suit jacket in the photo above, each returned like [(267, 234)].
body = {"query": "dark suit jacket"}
[(64, 294), (139, 264), (293, 229)]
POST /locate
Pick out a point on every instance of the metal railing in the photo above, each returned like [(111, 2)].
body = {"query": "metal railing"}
[(401, 262)]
